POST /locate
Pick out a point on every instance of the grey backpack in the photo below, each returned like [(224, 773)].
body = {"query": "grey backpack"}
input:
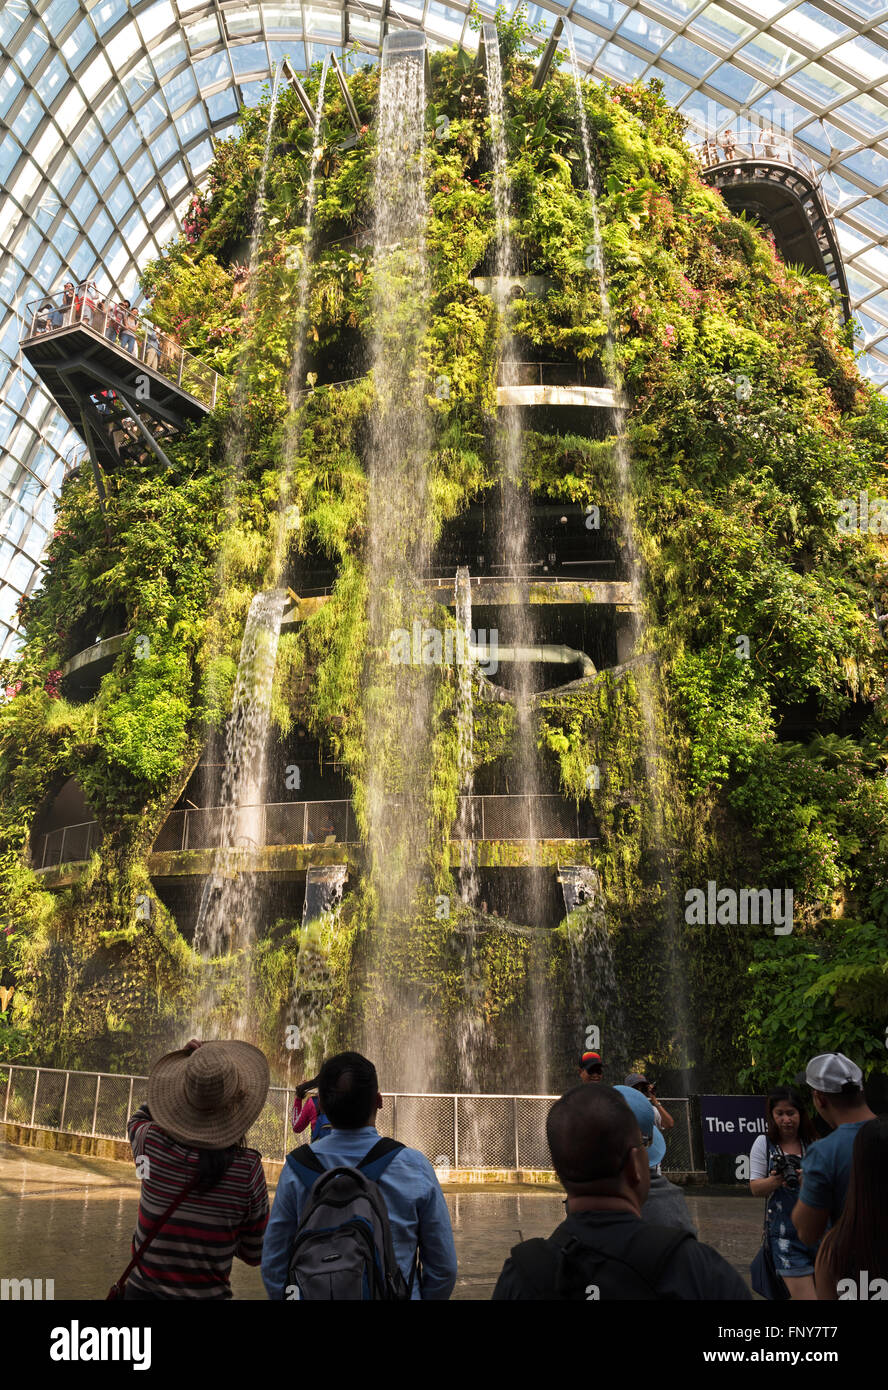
[(343, 1245)]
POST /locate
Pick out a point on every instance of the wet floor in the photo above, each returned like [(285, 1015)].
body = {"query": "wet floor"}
[(69, 1218)]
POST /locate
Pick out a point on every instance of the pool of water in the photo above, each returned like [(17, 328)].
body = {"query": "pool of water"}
[(70, 1218)]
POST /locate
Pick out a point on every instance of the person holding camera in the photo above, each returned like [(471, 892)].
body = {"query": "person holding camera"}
[(775, 1167), (640, 1083)]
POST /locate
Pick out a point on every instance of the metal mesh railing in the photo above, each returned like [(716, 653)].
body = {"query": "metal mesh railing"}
[(453, 1131), (547, 817), (82, 305), (769, 146)]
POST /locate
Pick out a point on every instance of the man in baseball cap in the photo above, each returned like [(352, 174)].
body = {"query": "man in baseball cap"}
[(665, 1203), (837, 1091), (591, 1066)]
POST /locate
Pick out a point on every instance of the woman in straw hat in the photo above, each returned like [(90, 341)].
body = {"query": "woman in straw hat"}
[(204, 1198)]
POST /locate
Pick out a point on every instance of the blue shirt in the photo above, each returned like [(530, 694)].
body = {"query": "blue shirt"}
[(417, 1213), (826, 1170)]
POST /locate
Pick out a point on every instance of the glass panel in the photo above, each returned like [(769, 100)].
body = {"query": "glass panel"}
[(51, 80), (163, 147), (716, 23), (60, 11), (206, 31), (97, 75), (105, 14), (78, 45), (120, 201), (645, 33), (867, 113), (243, 22), (732, 82), (9, 153), (104, 171), (249, 58), (111, 110), (31, 50), (824, 87), (769, 55), (10, 86), (70, 111), (169, 55), (179, 89), (617, 63), (100, 229), (222, 104), (212, 69), (870, 165), (140, 172), (189, 124)]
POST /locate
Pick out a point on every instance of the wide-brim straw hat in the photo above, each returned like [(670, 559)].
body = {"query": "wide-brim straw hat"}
[(209, 1097)]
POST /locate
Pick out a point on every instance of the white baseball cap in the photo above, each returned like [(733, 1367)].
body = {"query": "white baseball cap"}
[(831, 1071)]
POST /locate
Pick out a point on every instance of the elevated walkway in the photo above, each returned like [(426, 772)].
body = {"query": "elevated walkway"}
[(780, 186), (291, 837), (124, 388)]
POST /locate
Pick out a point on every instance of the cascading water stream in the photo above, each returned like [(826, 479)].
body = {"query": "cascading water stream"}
[(227, 916), (465, 730), (469, 1031), (295, 397), (647, 691), (398, 695), (514, 531), (259, 206)]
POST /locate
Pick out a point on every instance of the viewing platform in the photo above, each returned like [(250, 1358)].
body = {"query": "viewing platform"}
[(83, 672), (770, 179), (106, 371), (295, 835)]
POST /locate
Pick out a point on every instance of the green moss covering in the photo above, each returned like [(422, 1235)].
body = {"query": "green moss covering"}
[(735, 502)]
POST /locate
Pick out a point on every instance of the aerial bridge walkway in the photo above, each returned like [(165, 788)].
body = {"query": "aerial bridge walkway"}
[(124, 386)]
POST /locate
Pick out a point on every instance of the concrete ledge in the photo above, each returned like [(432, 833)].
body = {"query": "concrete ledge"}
[(595, 396), (104, 651), (509, 284), (58, 1141)]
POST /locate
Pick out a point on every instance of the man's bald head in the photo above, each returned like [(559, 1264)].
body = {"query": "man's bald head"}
[(590, 1131)]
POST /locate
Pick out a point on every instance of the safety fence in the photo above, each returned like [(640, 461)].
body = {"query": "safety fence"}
[(546, 817), (769, 146), (82, 306), (453, 1131)]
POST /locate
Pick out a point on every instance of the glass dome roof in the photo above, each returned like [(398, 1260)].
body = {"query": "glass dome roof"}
[(109, 109)]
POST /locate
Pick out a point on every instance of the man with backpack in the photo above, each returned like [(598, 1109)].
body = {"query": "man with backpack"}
[(356, 1216), (604, 1250)]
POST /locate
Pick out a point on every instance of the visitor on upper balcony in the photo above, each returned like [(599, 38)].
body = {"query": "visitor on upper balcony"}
[(152, 347), (113, 322), (85, 303), (43, 317), (129, 323), (59, 311), (729, 148), (769, 143)]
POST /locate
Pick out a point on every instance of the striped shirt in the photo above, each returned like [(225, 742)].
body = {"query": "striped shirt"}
[(192, 1254)]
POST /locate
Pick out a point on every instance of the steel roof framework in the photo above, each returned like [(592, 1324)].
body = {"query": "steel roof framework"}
[(109, 109)]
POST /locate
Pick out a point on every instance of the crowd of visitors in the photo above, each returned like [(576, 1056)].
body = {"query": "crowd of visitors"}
[(359, 1216), (116, 320)]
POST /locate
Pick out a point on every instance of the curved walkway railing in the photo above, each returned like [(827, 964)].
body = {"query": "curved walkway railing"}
[(452, 1130), (307, 823), (772, 149), (149, 345)]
